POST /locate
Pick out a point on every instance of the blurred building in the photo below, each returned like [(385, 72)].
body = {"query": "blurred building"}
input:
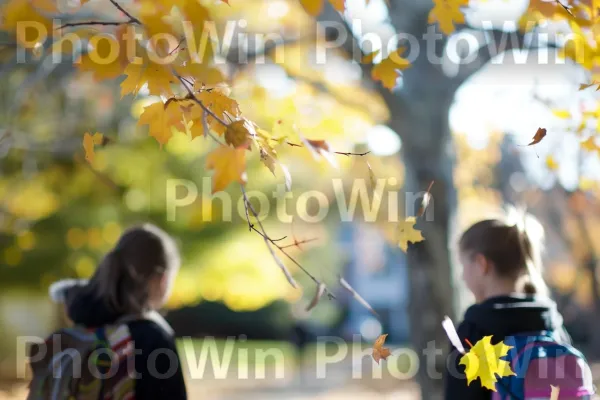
[(378, 272)]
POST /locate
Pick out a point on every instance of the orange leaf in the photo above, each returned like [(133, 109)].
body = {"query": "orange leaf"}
[(380, 352), (229, 165), (539, 135)]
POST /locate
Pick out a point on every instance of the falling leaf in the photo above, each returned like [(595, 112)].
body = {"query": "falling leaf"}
[(425, 202), (448, 326), (319, 148), (408, 233), (317, 296), (447, 13), (368, 58), (229, 164), (380, 352), (483, 361), (89, 141), (539, 135), (387, 70), (562, 114), (555, 392), (551, 163)]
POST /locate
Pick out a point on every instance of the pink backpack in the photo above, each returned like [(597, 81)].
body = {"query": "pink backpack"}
[(540, 361)]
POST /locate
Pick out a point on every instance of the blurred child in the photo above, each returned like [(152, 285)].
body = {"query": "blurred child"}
[(501, 267), (115, 315)]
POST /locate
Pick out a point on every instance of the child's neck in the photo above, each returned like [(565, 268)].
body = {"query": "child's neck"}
[(501, 288)]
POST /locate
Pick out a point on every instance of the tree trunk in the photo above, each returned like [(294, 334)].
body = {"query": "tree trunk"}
[(431, 295)]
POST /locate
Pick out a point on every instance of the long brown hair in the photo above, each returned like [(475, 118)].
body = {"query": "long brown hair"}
[(123, 278), (514, 248)]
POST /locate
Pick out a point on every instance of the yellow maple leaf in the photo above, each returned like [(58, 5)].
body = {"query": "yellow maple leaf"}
[(238, 133), (108, 56), (551, 163), (222, 106), (483, 361), (387, 70), (447, 13), (408, 233), (229, 164), (158, 78), (15, 12), (161, 118), (89, 141)]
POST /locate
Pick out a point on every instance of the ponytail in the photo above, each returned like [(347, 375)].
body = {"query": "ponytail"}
[(530, 237)]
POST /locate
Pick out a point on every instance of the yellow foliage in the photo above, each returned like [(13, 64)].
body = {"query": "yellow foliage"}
[(483, 361), (229, 164)]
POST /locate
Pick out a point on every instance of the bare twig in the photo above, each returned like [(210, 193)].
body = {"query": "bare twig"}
[(267, 240), (351, 154), (103, 178), (347, 154), (91, 23), (131, 17), (297, 243)]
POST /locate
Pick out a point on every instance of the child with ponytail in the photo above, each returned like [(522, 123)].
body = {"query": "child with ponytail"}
[(120, 347), (502, 268)]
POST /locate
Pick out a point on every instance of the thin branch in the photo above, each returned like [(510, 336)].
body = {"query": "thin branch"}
[(352, 154), (192, 96), (131, 17), (91, 23), (297, 243), (268, 241), (273, 242), (347, 154), (103, 178)]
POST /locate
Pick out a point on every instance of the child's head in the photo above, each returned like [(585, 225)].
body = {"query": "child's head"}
[(500, 257), (137, 275)]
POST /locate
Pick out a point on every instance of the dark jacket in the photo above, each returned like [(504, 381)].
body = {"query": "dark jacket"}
[(500, 317), (148, 336)]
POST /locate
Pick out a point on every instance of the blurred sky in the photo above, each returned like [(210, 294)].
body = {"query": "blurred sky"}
[(506, 98)]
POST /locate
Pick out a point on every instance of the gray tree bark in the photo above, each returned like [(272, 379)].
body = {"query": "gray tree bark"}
[(420, 115)]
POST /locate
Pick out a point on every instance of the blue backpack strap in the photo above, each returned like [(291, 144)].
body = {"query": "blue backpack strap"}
[(101, 363)]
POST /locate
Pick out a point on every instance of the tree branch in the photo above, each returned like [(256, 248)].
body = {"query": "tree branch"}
[(131, 17)]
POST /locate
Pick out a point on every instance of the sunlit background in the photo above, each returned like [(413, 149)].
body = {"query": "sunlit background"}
[(59, 214)]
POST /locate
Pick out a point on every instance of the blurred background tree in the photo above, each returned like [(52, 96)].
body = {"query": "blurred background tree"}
[(59, 214)]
